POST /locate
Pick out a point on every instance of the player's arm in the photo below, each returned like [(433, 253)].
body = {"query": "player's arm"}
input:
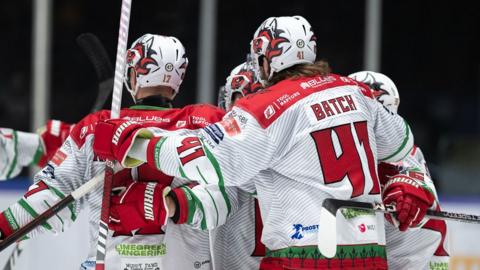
[(20, 149), (392, 133), (228, 153), (192, 204), (66, 171), (17, 149)]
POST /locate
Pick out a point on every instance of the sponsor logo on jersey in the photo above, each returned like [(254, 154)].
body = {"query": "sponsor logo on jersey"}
[(363, 228), (148, 118), (285, 99), (88, 265), (230, 126), (120, 130), (316, 82), (269, 112), (240, 117), (141, 250), (141, 266), (181, 123), (59, 157), (333, 107), (148, 201), (215, 133), (199, 120), (300, 231), (198, 264)]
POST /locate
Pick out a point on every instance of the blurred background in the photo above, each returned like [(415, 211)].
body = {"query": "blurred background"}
[(430, 49)]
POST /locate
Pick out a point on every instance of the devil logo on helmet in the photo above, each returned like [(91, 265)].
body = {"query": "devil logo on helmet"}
[(376, 87), (141, 56), (272, 34)]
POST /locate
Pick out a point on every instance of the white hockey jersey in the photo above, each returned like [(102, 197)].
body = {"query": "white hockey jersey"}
[(425, 247), (75, 163), (317, 138)]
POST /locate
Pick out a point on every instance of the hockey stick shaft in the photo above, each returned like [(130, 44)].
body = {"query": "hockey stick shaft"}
[(379, 207), (327, 235), (115, 113), (96, 53), (42, 218)]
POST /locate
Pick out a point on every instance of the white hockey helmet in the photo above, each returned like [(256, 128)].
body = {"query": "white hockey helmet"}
[(157, 61), (242, 80), (283, 42), (383, 88)]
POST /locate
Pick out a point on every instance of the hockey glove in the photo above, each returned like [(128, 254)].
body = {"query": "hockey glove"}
[(412, 199), (53, 134), (37, 200), (141, 205), (114, 138)]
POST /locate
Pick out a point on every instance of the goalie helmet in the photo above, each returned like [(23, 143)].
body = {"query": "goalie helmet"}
[(242, 80), (157, 61), (283, 42), (383, 88)]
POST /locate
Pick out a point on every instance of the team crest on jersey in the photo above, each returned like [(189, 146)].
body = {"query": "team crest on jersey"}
[(230, 126), (59, 157)]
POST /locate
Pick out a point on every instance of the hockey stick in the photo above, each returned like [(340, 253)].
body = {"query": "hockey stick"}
[(93, 48), (42, 218), (96, 53), (115, 113), (327, 235)]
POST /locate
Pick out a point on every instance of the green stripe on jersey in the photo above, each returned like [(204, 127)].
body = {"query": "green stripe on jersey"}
[(221, 182), (71, 206), (404, 143), (191, 204), (11, 219), (38, 153), (24, 204), (156, 154)]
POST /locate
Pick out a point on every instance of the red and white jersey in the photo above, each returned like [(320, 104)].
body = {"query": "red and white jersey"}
[(419, 248), (75, 163), (20, 149), (316, 138)]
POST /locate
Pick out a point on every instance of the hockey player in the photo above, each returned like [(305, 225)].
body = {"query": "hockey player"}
[(20, 149), (431, 238), (306, 137), (156, 68), (236, 244)]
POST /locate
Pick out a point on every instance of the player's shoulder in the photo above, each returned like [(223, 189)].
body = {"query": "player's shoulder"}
[(87, 125), (202, 115), (268, 104), (204, 108)]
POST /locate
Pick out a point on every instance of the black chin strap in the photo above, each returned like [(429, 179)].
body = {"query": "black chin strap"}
[(157, 100)]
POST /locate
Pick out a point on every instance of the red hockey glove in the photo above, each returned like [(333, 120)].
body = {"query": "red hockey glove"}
[(412, 199), (114, 138), (53, 135), (141, 205)]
